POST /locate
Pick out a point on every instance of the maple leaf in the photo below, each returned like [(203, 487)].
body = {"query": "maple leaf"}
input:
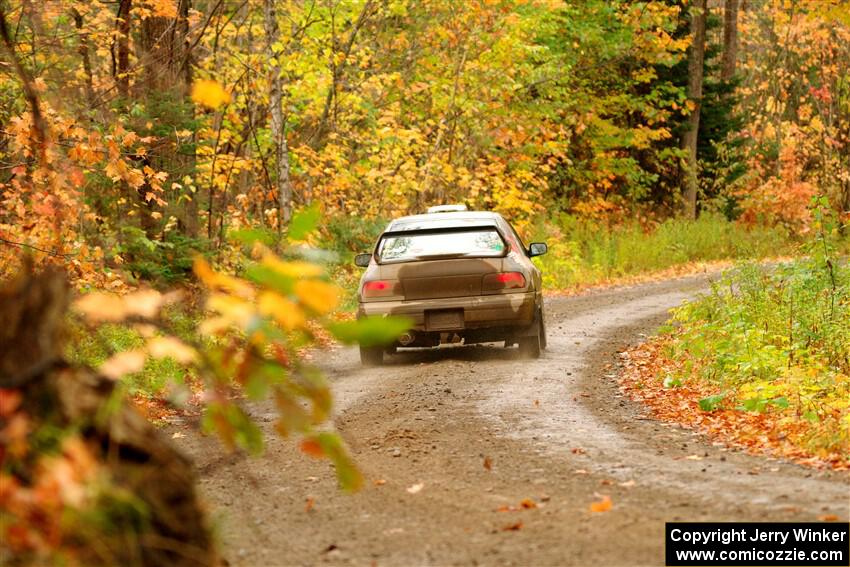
[(209, 93)]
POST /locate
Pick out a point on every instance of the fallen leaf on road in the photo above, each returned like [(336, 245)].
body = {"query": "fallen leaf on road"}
[(579, 471), (415, 488), (606, 482), (528, 503), (537, 403), (693, 458), (379, 482), (627, 484), (512, 527), (828, 518), (308, 505), (505, 508), (602, 505), (488, 463), (578, 451)]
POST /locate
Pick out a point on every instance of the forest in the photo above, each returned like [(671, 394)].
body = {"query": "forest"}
[(184, 184)]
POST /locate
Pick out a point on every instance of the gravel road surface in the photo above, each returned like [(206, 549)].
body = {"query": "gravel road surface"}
[(449, 439)]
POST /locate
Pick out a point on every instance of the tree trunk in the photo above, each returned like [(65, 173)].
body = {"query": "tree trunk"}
[(83, 50), (730, 40), (167, 76), (278, 125), (121, 66), (696, 57)]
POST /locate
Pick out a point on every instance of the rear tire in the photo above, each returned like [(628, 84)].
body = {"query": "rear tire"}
[(530, 346), (371, 356), (543, 340)]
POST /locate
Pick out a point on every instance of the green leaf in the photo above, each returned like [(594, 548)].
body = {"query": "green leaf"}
[(672, 382), (711, 403), (780, 402), (304, 222), (248, 236), (753, 404), (371, 331), (233, 426), (271, 279), (248, 435), (346, 473)]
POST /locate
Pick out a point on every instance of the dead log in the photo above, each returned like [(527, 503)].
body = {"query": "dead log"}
[(138, 458)]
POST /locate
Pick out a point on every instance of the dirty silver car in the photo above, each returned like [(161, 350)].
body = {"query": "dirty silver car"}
[(459, 276)]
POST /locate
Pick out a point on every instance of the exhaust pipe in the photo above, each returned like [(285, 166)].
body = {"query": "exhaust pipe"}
[(406, 338)]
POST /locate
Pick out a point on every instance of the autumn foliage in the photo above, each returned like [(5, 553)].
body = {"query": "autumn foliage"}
[(198, 151)]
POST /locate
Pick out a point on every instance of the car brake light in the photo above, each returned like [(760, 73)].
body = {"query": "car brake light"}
[(379, 288), (503, 280)]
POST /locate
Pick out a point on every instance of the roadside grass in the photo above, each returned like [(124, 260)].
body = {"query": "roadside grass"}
[(584, 253), (92, 347), (765, 355)]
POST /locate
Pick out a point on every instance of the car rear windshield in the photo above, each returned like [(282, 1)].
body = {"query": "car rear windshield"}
[(434, 245)]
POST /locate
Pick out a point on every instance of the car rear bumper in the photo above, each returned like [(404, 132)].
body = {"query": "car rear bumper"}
[(479, 312)]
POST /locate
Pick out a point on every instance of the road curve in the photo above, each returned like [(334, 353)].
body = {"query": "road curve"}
[(554, 430)]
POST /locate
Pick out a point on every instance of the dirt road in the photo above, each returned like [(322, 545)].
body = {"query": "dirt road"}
[(554, 430)]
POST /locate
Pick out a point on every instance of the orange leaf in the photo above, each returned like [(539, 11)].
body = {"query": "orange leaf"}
[(9, 401), (828, 518), (488, 463), (512, 527), (311, 447), (528, 504), (602, 505)]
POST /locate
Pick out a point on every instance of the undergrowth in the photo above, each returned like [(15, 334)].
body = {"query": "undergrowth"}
[(583, 252), (775, 340)]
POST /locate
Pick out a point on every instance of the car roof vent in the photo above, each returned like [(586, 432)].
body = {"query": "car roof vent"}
[(447, 209)]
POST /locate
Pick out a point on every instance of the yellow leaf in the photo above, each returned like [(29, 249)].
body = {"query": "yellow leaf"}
[(231, 308), (317, 295), (143, 303), (295, 269), (98, 307), (172, 347), (285, 312), (163, 8), (215, 280), (209, 94), (123, 363), (213, 326)]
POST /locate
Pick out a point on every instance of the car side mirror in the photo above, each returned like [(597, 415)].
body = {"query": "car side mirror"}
[(537, 249), (362, 260)]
